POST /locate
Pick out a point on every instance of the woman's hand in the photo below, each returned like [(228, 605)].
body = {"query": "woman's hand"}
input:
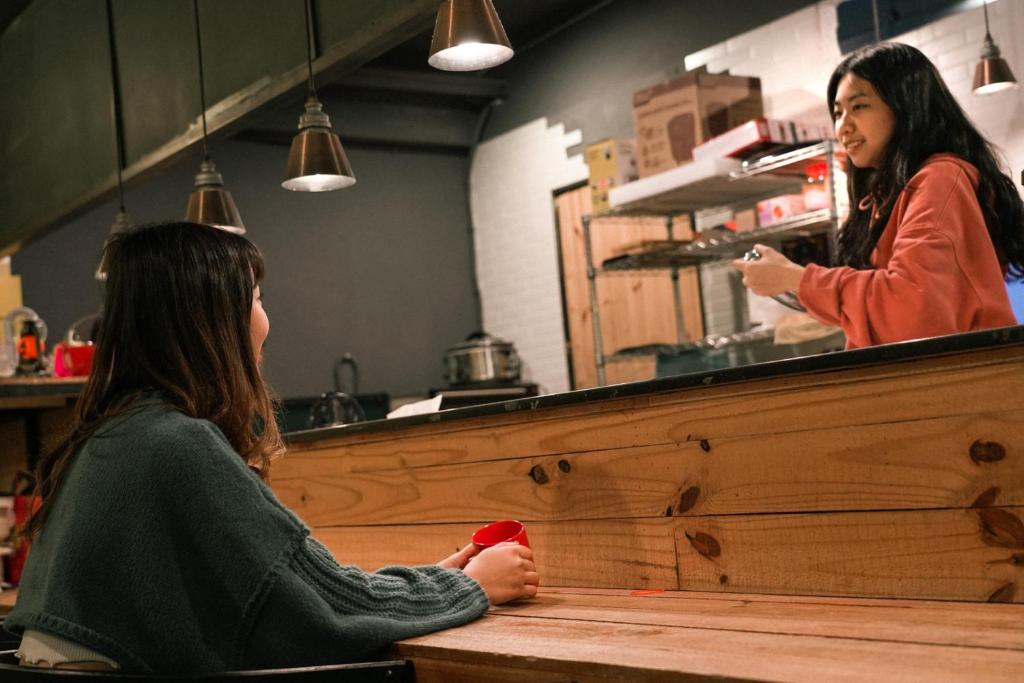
[(505, 571), (460, 558), (772, 274)]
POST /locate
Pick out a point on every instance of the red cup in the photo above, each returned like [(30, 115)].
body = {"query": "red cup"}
[(501, 531), (77, 360)]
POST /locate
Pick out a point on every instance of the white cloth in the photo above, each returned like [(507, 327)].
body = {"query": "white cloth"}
[(45, 650)]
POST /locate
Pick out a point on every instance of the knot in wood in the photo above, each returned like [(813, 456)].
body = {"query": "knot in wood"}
[(987, 451), (564, 465), (538, 474)]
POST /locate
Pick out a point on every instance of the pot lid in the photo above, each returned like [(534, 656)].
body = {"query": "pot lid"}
[(479, 340)]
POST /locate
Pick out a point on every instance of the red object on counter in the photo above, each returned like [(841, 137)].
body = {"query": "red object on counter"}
[(72, 361), (500, 532)]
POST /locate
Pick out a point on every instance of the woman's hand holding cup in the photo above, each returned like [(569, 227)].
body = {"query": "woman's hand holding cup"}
[(505, 571)]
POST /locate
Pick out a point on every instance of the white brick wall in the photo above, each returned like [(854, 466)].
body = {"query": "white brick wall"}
[(510, 187), (794, 57), (513, 176)]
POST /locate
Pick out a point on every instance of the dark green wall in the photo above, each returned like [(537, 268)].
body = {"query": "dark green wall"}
[(56, 113)]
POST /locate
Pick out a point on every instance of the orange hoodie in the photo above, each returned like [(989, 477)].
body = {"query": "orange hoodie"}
[(935, 269)]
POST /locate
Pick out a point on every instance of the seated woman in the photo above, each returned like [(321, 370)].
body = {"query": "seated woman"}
[(934, 227), (158, 548)]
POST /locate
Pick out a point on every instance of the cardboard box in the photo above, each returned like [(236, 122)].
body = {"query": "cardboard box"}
[(672, 117), (10, 296), (611, 163)]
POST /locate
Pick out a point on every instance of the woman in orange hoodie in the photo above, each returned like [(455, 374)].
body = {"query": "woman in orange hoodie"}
[(935, 226)]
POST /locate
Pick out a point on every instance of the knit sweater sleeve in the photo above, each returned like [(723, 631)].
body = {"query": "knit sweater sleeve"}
[(318, 611), (918, 293)]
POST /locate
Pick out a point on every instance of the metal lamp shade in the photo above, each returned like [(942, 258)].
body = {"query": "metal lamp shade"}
[(120, 224), (993, 75), (210, 204), (468, 36), (317, 163)]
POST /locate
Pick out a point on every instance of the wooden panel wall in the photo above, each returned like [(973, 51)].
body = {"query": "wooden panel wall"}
[(899, 480), (636, 308)]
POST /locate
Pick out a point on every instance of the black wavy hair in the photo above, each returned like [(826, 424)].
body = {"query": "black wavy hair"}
[(928, 121), (176, 318)]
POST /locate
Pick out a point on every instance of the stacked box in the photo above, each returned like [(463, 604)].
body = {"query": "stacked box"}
[(672, 117), (611, 163)]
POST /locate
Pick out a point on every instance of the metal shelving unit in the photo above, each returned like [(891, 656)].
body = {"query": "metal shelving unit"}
[(720, 183)]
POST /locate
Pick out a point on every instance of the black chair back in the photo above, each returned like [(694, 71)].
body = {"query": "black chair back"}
[(396, 671)]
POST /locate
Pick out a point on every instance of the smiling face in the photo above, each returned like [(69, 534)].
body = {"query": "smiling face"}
[(864, 122)]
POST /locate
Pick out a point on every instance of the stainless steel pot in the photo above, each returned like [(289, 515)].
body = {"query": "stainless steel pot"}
[(482, 358)]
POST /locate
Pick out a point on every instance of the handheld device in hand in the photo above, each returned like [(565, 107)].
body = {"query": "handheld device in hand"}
[(787, 299)]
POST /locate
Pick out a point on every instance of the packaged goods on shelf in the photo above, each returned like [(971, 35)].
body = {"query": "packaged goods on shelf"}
[(672, 117), (815, 196), (745, 220), (771, 211), (758, 135), (612, 163)]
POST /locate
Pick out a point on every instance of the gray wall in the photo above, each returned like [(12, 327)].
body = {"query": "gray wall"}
[(382, 269), (585, 75), (57, 108)]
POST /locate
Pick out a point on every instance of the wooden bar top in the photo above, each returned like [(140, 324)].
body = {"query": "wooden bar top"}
[(38, 392), (585, 634)]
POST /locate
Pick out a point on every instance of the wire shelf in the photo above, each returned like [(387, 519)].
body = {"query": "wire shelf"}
[(702, 250), (712, 342)]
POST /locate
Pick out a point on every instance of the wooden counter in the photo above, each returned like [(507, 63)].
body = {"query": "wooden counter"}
[(607, 635), (38, 392), (899, 479)]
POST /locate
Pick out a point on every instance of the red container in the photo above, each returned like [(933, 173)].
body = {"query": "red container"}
[(72, 361), (500, 532)]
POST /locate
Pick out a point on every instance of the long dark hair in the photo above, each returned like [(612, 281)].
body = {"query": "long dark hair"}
[(176, 321), (928, 121)]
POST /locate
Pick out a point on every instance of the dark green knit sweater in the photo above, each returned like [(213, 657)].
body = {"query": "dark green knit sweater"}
[(164, 552)]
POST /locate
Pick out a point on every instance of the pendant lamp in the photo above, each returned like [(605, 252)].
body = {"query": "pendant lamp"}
[(121, 222), (316, 162), (210, 204), (992, 73), (468, 36)]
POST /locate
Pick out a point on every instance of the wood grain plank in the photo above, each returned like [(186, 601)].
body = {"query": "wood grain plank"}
[(936, 554), (645, 652), (609, 553), (940, 554), (920, 621), (430, 670), (771, 407), (914, 465), (635, 308)]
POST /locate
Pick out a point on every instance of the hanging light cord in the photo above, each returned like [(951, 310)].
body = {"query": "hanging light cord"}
[(118, 120), (874, 17), (202, 86), (309, 50), (988, 36)]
